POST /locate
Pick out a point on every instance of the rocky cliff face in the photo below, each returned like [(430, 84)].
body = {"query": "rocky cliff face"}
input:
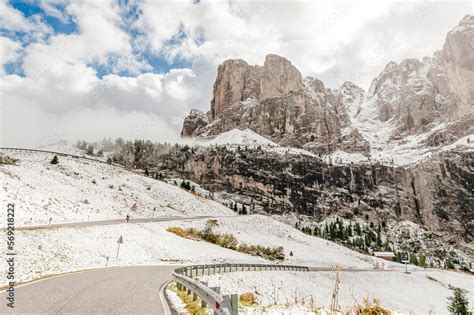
[(277, 103), (194, 123), (416, 95), (436, 194), (424, 106), (412, 97)]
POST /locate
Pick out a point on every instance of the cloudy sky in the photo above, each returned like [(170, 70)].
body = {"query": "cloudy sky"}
[(92, 69)]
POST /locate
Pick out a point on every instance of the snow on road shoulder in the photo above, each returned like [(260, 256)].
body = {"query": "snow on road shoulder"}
[(81, 190), (302, 292)]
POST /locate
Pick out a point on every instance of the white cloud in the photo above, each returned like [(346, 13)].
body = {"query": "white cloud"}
[(53, 8), (62, 93), (318, 37), (9, 51), (14, 21)]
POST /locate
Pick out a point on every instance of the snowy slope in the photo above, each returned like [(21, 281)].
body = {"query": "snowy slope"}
[(240, 137), (421, 292), (44, 251), (251, 139), (384, 148), (66, 192), (307, 250), (47, 252)]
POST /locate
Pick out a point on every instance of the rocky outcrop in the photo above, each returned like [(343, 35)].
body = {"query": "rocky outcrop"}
[(278, 77), (352, 97), (277, 103), (236, 81), (458, 61), (404, 94), (416, 95), (194, 123)]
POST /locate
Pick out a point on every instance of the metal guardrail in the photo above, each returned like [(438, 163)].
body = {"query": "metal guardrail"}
[(63, 154), (227, 304)]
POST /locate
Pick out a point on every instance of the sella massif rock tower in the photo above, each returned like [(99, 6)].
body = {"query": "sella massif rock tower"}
[(433, 95)]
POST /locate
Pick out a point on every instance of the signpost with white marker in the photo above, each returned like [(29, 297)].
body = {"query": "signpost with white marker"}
[(120, 241)]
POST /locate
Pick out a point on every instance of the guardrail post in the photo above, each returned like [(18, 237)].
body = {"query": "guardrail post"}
[(194, 296), (179, 286), (227, 302), (188, 291), (234, 302)]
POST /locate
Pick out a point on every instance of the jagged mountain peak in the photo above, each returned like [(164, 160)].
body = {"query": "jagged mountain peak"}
[(431, 97)]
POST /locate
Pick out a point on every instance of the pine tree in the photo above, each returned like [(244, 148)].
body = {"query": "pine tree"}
[(55, 160), (358, 230), (379, 239), (421, 260), (458, 303)]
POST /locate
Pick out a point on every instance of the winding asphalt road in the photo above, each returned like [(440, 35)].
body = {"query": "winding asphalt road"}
[(115, 290), (110, 222)]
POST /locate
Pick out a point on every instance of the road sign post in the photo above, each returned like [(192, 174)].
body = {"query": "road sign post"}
[(134, 209), (120, 241), (405, 259)]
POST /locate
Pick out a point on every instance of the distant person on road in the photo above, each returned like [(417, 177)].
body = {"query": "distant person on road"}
[(127, 218)]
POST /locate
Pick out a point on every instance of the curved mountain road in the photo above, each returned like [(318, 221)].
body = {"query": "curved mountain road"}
[(114, 290), (111, 222)]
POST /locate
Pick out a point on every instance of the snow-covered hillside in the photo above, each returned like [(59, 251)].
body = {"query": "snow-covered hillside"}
[(81, 190), (421, 292), (52, 251), (307, 250), (240, 137), (251, 139)]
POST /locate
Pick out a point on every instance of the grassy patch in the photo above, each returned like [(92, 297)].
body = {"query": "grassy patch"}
[(228, 241), (247, 299), (6, 160), (370, 307), (193, 307)]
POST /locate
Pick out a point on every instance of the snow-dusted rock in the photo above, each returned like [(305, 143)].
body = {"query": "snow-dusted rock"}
[(193, 123)]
